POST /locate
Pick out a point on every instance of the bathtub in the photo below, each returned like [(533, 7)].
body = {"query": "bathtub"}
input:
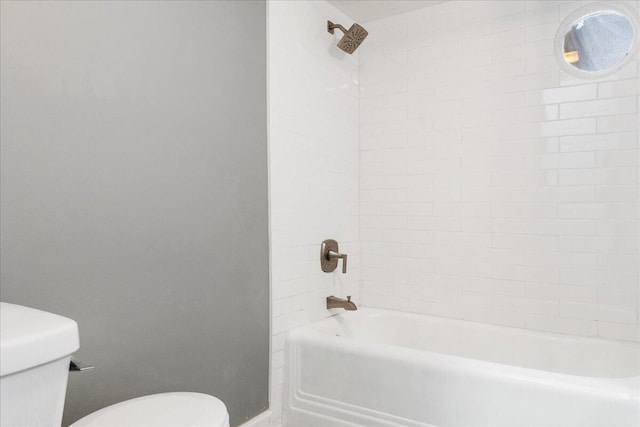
[(383, 368)]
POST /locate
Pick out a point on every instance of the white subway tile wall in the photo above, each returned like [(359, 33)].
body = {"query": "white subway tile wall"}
[(493, 186), (314, 179)]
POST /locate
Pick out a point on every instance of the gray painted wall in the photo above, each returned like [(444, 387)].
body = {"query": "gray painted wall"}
[(134, 191)]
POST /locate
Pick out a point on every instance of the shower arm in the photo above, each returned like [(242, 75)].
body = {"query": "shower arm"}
[(331, 26)]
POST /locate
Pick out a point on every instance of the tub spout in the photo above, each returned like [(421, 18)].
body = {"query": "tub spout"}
[(335, 302)]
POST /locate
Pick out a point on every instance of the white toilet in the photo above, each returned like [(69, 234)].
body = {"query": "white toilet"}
[(35, 351)]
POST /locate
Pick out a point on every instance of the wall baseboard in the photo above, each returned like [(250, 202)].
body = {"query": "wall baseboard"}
[(262, 420)]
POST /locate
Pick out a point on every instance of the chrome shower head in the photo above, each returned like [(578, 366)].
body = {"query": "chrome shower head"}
[(352, 37)]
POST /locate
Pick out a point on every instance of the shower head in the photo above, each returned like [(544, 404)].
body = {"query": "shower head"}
[(352, 37)]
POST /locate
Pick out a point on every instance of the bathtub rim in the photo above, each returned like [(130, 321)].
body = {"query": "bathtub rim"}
[(628, 385)]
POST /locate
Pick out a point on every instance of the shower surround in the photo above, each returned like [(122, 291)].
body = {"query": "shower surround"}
[(463, 173)]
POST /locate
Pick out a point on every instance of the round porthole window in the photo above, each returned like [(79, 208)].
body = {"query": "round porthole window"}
[(597, 40)]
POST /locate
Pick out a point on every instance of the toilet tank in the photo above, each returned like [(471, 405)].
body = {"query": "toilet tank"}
[(35, 349)]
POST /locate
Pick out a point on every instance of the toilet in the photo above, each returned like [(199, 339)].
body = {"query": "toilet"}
[(35, 352)]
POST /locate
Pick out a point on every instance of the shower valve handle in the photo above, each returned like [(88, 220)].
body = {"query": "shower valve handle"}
[(334, 255)]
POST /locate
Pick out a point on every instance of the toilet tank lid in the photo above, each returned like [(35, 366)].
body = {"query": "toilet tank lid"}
[(30, 337)]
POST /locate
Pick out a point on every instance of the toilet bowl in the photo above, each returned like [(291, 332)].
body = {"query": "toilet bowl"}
[(161, 410), (35, 352)]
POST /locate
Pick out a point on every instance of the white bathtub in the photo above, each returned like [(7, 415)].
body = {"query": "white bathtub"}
[(383, 368)]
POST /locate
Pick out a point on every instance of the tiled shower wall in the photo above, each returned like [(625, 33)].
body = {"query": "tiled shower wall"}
[(493, 186), (313, 154)]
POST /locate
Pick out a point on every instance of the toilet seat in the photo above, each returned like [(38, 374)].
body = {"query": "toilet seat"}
[(161, 410)]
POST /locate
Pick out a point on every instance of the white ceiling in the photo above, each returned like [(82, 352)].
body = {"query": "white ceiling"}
[(364, 10)]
